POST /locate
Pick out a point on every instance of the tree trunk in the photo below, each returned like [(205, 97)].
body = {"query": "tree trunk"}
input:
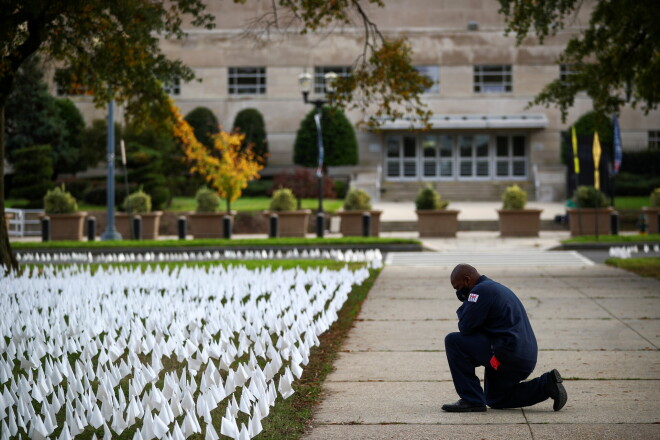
[(7, 259)]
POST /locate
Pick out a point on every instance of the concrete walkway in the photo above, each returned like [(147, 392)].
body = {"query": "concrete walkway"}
[(598, 325)]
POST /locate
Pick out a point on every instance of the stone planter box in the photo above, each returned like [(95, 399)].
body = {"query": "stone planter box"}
[(651, 215), (437, 222), (587, 217), (351, 223), (150, 225), (67, 226), (291, 223), (207, 224), (519, 222)]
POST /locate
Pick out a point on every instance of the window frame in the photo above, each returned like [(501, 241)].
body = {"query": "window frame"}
[(433, 76), (319, 76), (259, 88), (653, 139), (440, 139), (173, 88), (479, 75)]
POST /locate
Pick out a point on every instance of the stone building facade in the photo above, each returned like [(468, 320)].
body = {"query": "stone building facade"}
[(484, 137)]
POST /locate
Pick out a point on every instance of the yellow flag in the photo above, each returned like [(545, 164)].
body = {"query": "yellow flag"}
[(576, 160), (596, 152)]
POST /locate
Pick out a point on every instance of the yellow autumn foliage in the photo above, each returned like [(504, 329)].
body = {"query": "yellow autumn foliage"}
[(227, 167)]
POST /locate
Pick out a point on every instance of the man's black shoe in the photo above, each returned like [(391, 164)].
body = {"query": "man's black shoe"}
[(463, 406), (556, 390)]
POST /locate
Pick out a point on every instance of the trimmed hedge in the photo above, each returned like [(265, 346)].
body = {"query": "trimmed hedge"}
[(339, 141)]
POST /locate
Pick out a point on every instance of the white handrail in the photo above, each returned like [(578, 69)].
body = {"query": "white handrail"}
[(21, 220)]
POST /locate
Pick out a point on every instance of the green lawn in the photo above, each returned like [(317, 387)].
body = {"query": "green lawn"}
[(631, 202), (637, 238), (645, 266), (253, 204)]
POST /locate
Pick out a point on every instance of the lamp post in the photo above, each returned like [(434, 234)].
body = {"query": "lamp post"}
[(111, 232), (305, 81)]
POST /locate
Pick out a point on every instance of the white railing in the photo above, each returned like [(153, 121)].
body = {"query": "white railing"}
[(24, 222)]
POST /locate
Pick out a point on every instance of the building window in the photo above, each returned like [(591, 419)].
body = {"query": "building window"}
[(456, 157), (493, 79), (510, 156), (402, 157), (432, 73), (566, 70), (68, 84), (247, 80), (473, 156), (173, 88), (319, 76), (654, 140)]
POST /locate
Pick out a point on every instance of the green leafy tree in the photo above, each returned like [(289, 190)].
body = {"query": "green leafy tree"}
[(33, 171), (250, 122), (33, 117), (69, 156), (615, 59), (94, 140), (204, 124), (339, 141), (145, 167)]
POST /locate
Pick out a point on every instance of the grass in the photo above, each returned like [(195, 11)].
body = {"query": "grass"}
[(201, 243), (253, 204), (289, 418), (631, 202), (637, 238), (645, 266)]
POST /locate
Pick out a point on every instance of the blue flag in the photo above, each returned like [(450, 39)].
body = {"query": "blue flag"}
[(618, 151)]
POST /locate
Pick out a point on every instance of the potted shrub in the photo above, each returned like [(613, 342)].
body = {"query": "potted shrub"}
[(433, 217), (591, 213), (139, 203), (66, 222), (652, 211), (358, 202), (515, 220), (292, 222), (206, 221)]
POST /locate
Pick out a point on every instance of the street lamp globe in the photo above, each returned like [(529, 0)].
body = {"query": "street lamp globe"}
[(305, 82)]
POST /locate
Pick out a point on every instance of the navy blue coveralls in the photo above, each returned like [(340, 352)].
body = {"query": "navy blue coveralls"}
[(493, 322)]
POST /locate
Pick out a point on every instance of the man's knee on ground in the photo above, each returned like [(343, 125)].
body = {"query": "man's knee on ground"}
[(452, 339)]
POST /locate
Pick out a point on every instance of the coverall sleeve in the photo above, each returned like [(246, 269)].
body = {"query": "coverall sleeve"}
[(471, 315)]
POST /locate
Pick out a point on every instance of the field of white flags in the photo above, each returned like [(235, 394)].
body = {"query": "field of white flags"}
[(150, 353)]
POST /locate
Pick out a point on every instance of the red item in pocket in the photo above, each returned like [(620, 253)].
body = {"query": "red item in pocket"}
[(495, 363)]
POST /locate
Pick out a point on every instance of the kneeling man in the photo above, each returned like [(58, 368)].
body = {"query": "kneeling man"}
[(494, 332)]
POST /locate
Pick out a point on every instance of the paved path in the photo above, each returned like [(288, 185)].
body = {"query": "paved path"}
[(598, 325)]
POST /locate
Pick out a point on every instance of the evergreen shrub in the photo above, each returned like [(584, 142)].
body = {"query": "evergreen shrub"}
[(59, 201), (514, 197), (283, 200), (357, 200)]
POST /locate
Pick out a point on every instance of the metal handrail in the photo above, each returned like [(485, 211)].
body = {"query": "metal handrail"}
[(21, 220)]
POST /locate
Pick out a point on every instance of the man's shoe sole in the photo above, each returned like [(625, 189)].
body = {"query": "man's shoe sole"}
[(470, 409), (561, 399)]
